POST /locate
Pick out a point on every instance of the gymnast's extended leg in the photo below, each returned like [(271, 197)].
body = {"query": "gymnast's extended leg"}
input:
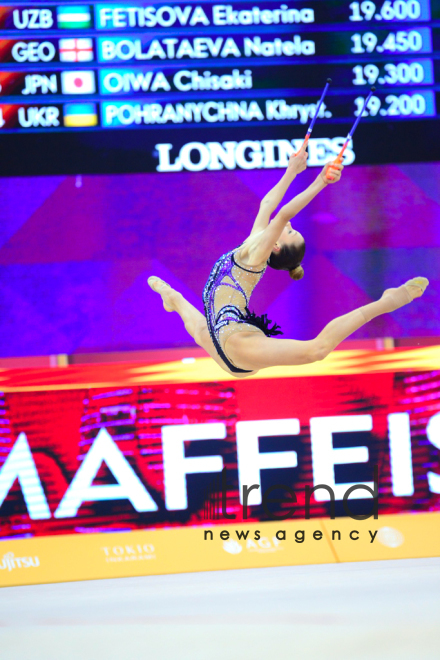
[(254, 351), (194, 321)]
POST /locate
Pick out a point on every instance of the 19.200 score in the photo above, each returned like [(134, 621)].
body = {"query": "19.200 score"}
[(404, 104)]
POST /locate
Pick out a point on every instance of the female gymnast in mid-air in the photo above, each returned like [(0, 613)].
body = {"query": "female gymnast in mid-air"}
[(242, 343)]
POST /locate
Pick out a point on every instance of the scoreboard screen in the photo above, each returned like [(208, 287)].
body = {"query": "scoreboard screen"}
[(166, 86)]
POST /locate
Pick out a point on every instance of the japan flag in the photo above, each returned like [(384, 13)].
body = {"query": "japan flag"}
[(78, 82)]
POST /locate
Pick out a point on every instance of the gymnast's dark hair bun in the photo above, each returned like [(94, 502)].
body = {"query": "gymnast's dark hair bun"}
[(297, 273), (289, 258)]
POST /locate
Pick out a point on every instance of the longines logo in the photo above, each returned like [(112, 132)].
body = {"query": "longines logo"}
[(122, 553), (10, 562)]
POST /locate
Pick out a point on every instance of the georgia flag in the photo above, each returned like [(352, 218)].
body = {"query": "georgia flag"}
[(78, 82)]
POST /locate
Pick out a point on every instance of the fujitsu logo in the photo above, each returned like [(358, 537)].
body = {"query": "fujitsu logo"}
[(10, 562)]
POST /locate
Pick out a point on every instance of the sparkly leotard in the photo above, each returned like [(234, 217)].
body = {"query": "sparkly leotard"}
[(226, 299)]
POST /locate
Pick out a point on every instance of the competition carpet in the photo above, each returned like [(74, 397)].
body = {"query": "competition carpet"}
[(386, 610)]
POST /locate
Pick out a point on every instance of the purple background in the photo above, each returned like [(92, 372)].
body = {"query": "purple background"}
[(75, 253)]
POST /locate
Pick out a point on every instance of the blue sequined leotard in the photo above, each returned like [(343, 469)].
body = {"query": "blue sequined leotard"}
[(226, 299)]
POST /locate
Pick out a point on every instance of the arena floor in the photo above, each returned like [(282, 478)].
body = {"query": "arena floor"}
[(386, 609)]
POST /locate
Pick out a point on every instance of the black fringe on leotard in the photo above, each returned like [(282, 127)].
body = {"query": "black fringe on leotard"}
[(263, 323)]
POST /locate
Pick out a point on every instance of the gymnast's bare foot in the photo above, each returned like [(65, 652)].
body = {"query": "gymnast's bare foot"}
[(168, 294), (406, 293)]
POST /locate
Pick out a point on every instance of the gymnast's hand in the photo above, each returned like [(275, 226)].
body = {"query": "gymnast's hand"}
[(298, 162), (331, 173)]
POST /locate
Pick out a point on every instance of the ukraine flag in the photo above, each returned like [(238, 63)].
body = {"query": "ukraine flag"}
[(79, 115)]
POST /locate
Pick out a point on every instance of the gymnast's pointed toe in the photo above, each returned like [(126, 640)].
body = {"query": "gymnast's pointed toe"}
[(165, 291), (416, 286), (156, 283)]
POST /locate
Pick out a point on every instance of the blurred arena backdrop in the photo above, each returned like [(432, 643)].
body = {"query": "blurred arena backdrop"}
[(76, 253)]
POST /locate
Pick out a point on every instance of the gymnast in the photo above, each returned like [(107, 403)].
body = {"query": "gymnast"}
[(239, 341)]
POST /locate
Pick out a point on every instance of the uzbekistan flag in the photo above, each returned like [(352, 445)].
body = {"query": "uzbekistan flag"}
[(79, 115), (74, 18)]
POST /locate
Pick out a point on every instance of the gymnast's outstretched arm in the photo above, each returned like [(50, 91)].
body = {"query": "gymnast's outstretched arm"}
[(297, 164), (260, 248)]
